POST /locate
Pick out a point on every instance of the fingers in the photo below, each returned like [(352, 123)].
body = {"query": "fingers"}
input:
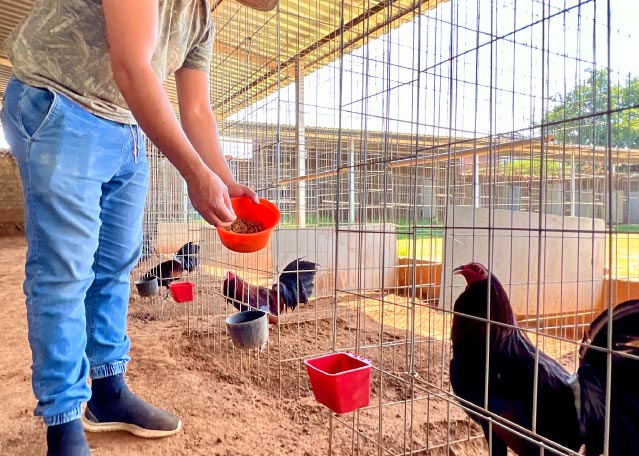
[(242, 190), (212, 199), (249, 193), (229, 206), (224, 212), (215, 221), (214, 208), (220, 216)]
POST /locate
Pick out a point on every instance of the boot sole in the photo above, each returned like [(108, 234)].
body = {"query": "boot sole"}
[(91, 426)]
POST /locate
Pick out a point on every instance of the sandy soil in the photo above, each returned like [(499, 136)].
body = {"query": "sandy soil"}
[(247, 403)]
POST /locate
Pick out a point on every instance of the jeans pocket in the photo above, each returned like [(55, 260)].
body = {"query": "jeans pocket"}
[(36, 107)]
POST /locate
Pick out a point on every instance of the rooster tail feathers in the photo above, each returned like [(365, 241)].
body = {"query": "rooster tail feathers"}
[(296, 282), (188, 256), (593, 380), (190, 248), (625, 327), (301, 265), (591, 409)]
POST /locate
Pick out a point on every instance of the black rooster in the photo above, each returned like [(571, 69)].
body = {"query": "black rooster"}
[(570, 408), (185, 259), (295, 285)]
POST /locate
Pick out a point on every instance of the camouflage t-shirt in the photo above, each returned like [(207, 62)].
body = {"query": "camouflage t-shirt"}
[(62, 45)]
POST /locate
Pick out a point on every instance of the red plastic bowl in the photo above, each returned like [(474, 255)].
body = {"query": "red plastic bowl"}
[(265, 213), (182, 291), (340, 381)]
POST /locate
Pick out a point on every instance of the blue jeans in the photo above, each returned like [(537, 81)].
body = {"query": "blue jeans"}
[(85, 181)]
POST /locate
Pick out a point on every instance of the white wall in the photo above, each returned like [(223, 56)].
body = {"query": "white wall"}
[(366, 260), (571, 257)]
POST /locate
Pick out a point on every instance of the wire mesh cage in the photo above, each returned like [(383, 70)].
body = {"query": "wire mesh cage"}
[(400, 140)]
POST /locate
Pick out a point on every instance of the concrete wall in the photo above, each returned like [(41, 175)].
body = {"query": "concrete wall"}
[(633, 208), (367, 260), (572, 258), (170, 236), (218, 256), (11, 204)]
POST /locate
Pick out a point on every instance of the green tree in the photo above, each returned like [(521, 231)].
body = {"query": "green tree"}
[(552, 168), (580, 117)]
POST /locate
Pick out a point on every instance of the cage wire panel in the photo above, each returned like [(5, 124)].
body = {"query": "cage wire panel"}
[(517, 158), (400, 140), (167, 226)]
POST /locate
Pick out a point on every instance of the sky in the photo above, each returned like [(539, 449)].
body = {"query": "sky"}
[(430, 77)]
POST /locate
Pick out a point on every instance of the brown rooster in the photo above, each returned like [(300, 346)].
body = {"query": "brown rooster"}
[(295, 285)]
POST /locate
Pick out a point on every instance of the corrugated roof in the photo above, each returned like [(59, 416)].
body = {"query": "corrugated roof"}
[(255, 52)]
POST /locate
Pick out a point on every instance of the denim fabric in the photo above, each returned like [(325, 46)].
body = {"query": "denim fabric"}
[(85, 181)]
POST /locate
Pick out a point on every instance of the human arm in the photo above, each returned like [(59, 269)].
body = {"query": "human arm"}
[(200, 126), (132, 32)]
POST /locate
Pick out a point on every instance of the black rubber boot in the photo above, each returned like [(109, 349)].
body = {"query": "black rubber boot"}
[(113, 407)]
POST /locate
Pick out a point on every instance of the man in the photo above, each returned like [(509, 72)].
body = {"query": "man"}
[(87, 77)]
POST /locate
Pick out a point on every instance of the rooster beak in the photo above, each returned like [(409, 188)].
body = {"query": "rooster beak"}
[(457, 270)]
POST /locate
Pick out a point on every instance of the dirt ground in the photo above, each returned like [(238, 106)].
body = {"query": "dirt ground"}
[(230, 403)]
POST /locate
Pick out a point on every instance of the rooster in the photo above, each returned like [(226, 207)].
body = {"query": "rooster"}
[(295, 285), (570, 408), (185, 259)]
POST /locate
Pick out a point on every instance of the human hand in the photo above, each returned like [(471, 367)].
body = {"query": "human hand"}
[(210, 198), (236, 189)]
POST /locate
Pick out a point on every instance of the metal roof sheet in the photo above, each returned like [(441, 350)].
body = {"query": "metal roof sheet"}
[(255, 52)]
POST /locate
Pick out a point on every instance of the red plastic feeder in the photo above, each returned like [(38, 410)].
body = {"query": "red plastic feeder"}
[(182, 291), (340, 381), (265, 213)]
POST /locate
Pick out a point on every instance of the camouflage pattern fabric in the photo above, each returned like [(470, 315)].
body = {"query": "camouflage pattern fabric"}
[(62, 45)]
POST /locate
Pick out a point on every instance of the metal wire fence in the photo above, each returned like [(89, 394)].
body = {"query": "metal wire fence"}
[(400, 140)]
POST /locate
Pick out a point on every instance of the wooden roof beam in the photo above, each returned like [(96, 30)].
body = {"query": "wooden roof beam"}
[(252, 58)]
